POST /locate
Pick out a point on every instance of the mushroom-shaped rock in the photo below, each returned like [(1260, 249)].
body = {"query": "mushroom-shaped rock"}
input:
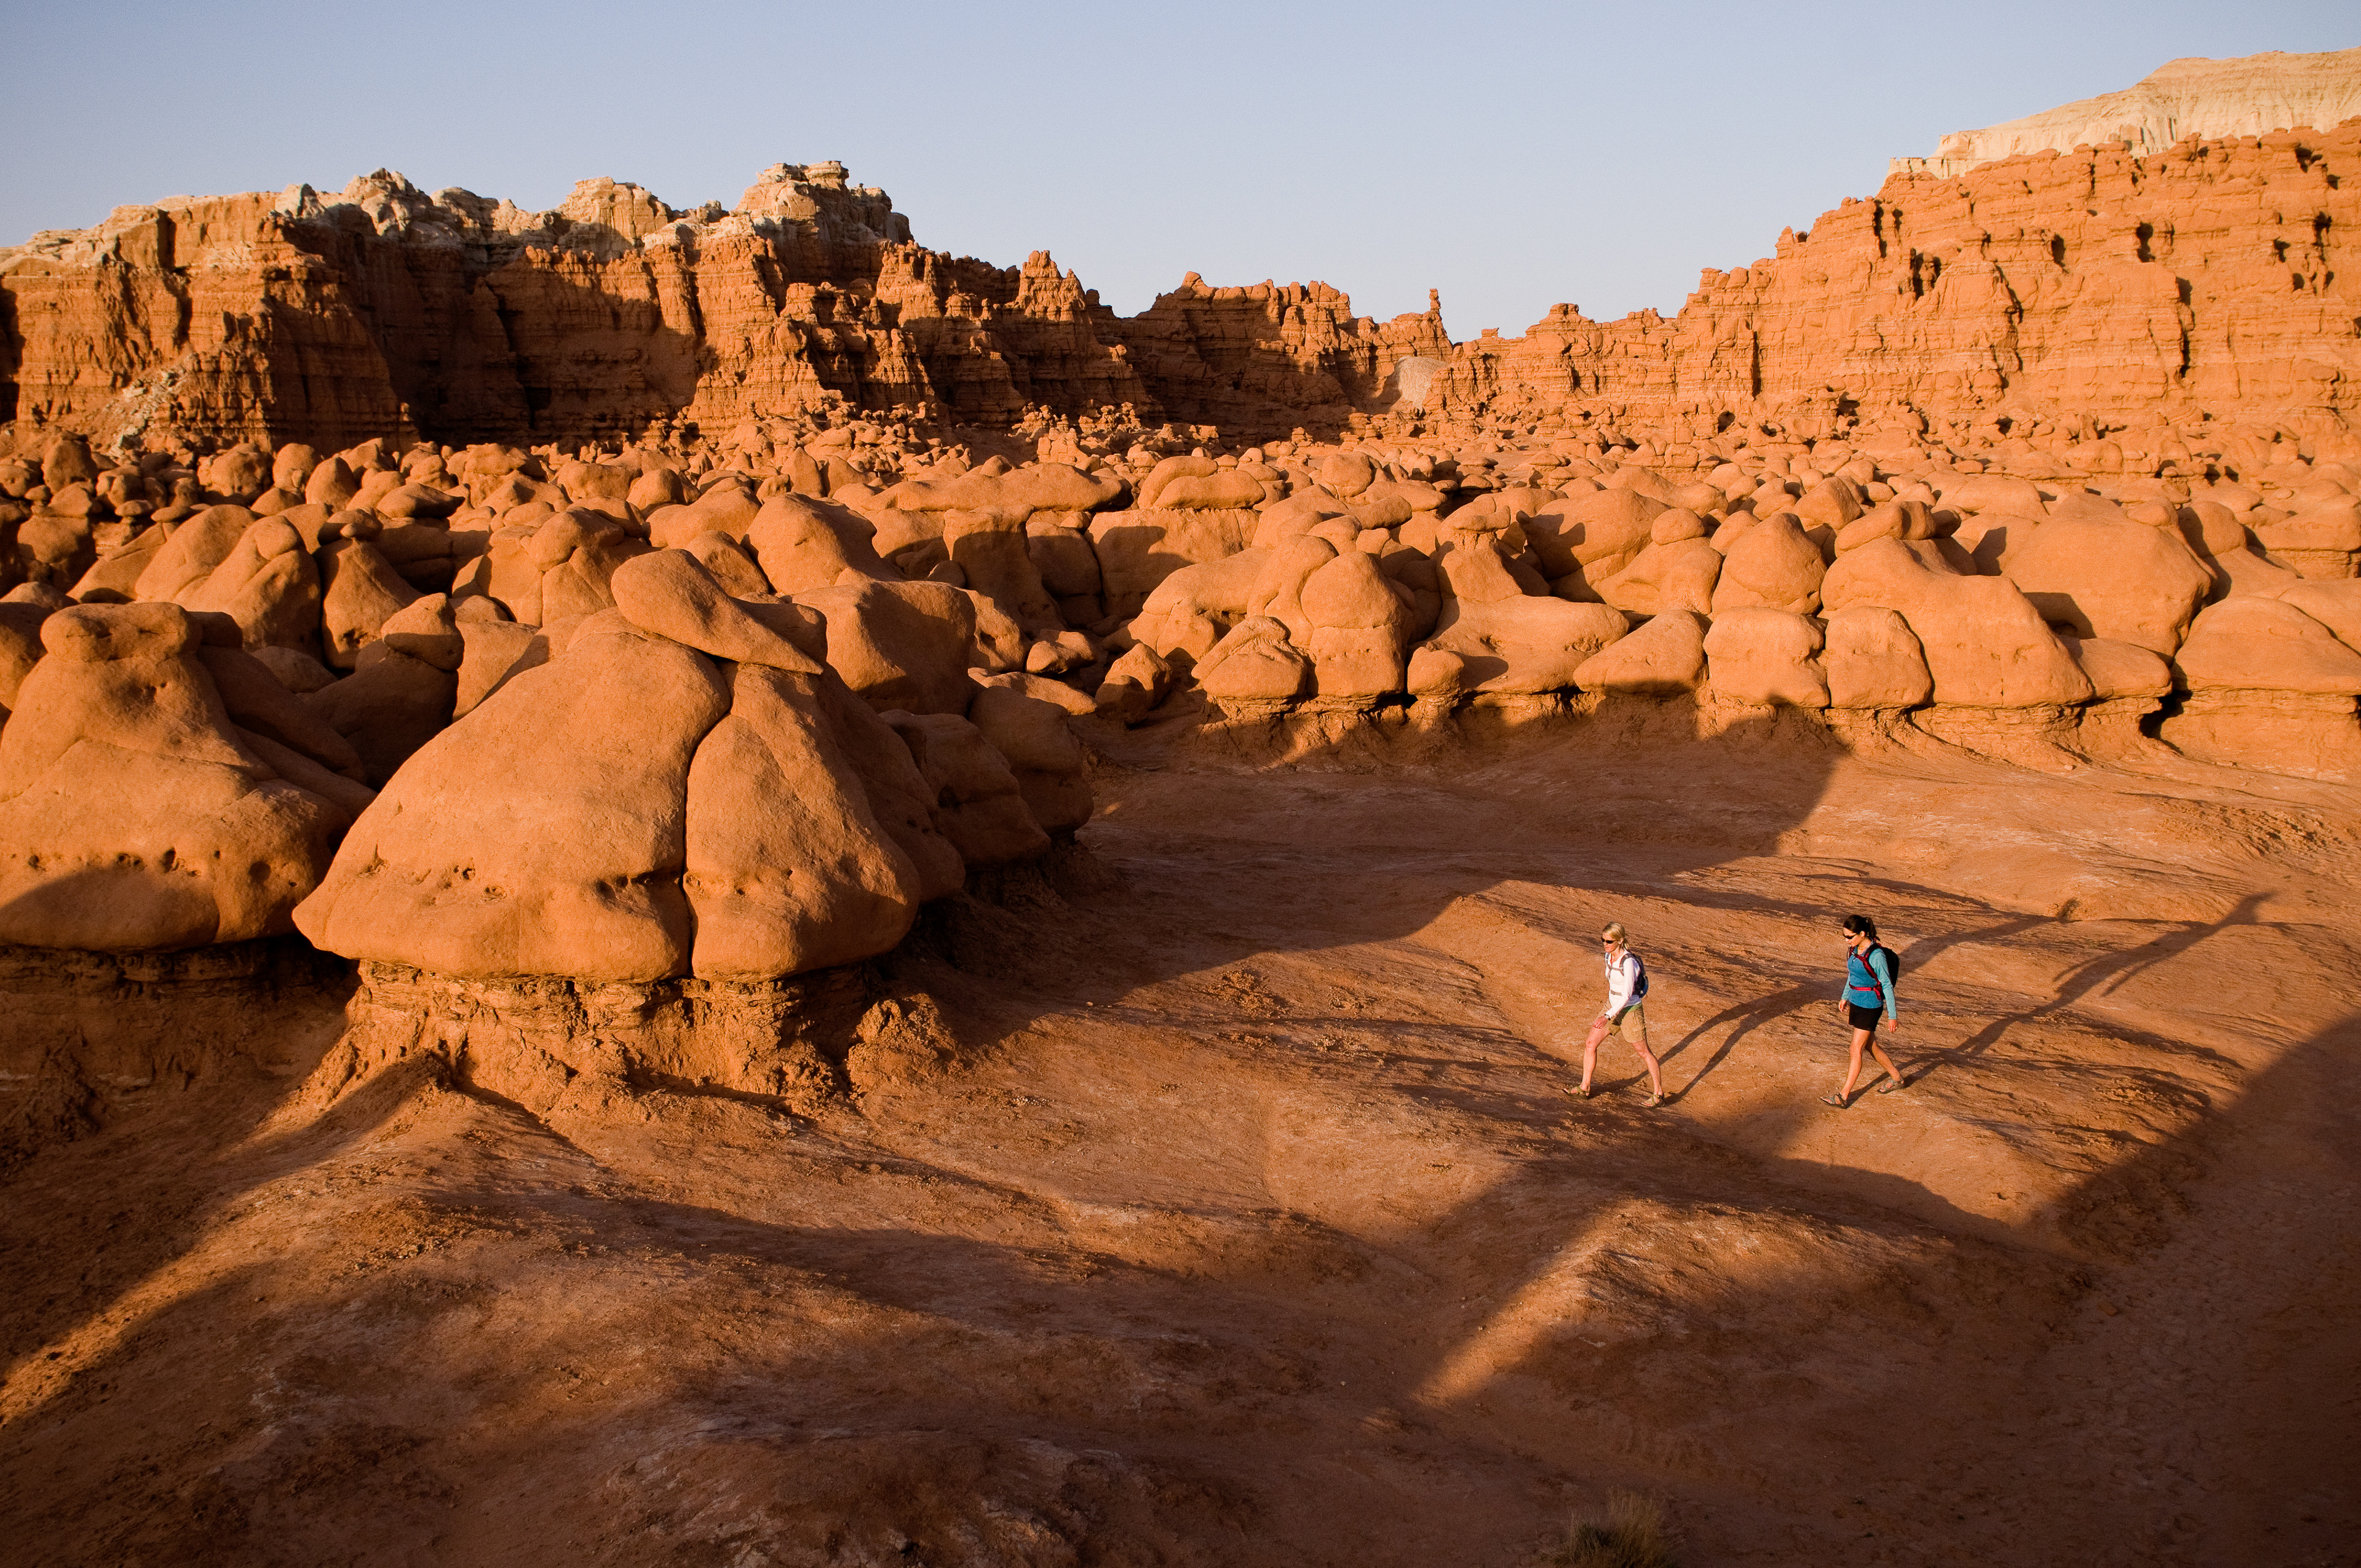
[(546, 833), (136, 814), (2112, 578), (1663, 658), (1872, 659), (1986, 646), (1766, 656)]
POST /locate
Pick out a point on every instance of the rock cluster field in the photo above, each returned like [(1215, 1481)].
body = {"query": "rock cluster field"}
[(699, 886)]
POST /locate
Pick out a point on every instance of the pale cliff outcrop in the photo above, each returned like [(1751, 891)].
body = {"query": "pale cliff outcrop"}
[(2252, 95)]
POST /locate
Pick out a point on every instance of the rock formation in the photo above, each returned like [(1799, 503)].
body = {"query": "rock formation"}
[(381, 309), (2100, 294)]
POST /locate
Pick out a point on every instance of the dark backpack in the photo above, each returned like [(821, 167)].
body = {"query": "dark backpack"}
[(1640, 987), (1893, 964)]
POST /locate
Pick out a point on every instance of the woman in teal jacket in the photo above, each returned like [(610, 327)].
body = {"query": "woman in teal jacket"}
[(1868, 999)]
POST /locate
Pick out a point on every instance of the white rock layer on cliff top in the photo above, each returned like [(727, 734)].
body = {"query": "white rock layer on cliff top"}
[(2252, 95)]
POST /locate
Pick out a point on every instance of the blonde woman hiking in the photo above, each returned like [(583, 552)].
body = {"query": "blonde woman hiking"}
[(1627, 982), (1868, 999)]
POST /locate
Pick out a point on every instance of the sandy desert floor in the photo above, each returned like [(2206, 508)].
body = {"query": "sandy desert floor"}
[(1227, 1206)]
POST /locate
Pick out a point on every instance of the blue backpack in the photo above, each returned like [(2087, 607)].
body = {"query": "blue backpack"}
[(1640, 987)]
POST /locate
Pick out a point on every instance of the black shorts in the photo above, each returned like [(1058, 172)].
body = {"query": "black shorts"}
[(1864, 1017)]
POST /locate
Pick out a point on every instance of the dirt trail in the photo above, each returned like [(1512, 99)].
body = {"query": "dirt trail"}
[(1244, 1218)]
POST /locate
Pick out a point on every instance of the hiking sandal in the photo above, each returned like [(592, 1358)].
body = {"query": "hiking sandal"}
[(1893, 1083), (1839, 1101), (1653, 1100)]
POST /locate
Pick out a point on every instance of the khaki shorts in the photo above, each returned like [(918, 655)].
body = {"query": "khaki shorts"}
[(1632, 1024)]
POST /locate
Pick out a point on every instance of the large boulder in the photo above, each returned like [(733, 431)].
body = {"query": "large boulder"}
[(1669, 575), (1584, 539), (1767, 564), (1138, 549), (1509, 641), (2247, 643), (2112, 578), (803, 545), (681, 790), (1255, 665), (979, 806), (1985, 644), (901, 645), (1043, 755), (1766, 656), (1663, 658), (1872, 659), (1358, 622)]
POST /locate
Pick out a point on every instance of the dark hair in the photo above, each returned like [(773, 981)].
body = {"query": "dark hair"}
[(1862, 924)]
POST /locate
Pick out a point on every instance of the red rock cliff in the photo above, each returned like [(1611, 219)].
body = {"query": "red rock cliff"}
[(294, 317), (2216, 277)]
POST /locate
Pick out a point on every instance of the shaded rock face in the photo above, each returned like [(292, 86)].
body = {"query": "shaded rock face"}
[(1271, 357), (385, 309), (88, 1037)]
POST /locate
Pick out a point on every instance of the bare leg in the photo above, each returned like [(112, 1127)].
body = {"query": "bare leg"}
[(1655, 1076), (1590, 1053), (1884, 1060), (1861, 1040)]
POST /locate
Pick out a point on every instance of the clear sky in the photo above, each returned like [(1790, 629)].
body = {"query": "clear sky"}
[(1512, 155)]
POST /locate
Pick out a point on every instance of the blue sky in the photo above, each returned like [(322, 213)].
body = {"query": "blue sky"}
[(1509, 155)]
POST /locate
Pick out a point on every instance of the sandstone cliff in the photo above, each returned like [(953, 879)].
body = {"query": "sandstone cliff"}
[(2212, 280), (385, 309)]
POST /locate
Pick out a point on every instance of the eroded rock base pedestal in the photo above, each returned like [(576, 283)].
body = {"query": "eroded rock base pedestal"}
[(545, 1042)]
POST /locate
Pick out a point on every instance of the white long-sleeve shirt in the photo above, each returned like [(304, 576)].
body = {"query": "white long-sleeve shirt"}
[(1622, 979)]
